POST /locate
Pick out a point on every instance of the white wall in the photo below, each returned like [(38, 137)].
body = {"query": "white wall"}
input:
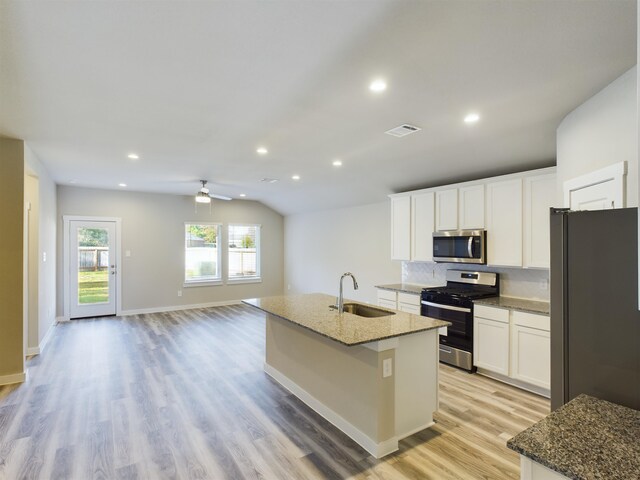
[(153, 231), (46, 245), (321, 246), (600, 132)]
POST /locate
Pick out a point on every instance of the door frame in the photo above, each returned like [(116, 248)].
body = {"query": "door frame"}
[(67, 219)]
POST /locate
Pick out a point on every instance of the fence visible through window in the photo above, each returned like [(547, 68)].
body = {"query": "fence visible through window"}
[(244, 254)]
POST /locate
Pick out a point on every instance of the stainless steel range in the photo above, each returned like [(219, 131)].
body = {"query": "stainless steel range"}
[(454, 303)]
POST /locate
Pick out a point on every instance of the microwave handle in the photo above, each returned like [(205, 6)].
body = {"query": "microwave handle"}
[(470, 246)]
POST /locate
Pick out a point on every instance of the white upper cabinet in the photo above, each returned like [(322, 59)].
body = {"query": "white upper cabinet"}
[(447, 209), (513, 209), (422, 223), (471, 207), (504, 223), (401, 228), (539, 195)]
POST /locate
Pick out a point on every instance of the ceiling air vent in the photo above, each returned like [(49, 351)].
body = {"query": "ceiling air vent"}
[(403, 130), (269, 180)]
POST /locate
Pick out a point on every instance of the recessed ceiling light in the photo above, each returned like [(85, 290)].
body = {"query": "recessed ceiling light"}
[(122, 184), (133, 156), (295, 177), (471, 118), (337, 163), (378, 86), (243, 194), (262, 151)]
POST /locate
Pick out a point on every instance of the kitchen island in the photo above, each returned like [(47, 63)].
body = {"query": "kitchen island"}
[(376, 379)]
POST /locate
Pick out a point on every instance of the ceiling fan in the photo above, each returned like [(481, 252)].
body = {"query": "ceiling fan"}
[(203, 195)]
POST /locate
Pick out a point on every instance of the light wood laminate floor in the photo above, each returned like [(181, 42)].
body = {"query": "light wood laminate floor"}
[(183, 395)]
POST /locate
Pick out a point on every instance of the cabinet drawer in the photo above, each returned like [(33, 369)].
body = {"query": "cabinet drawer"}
[(386, 295), (531, 320), (497, 314), (387, 304), (409, 299)]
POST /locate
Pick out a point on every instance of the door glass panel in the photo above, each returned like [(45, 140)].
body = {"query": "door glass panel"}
[(93, 265)]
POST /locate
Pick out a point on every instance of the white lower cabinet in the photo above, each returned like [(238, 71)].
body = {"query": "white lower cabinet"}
[(531, 349), (513, 344), (405, 302), (491, 339)]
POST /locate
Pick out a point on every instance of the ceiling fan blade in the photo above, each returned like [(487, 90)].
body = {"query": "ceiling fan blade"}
[(219, 197)]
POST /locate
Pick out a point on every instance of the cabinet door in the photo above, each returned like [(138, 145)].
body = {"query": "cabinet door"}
[(401, 228), (447, 209), (422, 223), (530, 355), (491, 345), (539, 196), (471, 207), (504, 223)]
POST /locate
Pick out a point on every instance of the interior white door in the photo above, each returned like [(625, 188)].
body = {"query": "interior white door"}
[(598, 190), (92, 268), (594, 197)]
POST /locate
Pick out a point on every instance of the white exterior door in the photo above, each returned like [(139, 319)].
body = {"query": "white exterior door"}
[(92, 268)]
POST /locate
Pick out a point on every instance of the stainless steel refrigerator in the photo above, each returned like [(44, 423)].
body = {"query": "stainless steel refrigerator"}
[(595, 322)]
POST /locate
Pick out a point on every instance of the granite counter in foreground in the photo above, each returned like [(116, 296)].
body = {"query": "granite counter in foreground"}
[(585, 439), (513, 303), (312, 311)]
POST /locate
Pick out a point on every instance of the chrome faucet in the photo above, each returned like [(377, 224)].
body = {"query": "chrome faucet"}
[(339, 300)]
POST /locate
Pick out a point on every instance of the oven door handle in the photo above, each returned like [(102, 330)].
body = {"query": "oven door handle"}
[(470, 246), (446, 307)]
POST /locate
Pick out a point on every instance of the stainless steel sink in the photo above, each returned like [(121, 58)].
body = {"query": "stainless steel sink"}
[(364, 310)]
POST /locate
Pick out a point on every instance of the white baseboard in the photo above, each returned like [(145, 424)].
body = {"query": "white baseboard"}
[(47, 337), (376, 449), (543, 392), (14, 378), (40, 348), (174, 308)]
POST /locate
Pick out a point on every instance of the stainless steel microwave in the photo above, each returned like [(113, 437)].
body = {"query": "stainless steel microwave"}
[(460, 246)]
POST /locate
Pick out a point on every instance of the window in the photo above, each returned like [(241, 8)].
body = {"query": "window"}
[(202, 253), (244, 252)]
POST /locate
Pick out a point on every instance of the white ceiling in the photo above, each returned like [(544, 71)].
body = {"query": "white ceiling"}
[(195, 87)]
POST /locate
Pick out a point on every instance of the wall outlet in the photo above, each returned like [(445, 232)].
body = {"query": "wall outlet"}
[(179, 293), (44, 256), (127, 253), (387, 367), (289, 286)]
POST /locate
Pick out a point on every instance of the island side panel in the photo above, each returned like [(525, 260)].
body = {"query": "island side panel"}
[(416, 374), (346, 380)]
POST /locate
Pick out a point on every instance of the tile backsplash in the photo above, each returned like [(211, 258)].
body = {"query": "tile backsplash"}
[(514, 282)]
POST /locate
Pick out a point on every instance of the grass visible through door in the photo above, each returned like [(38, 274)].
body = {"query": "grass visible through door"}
[(93, 287)]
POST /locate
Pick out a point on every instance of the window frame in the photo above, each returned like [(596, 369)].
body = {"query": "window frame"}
[(257, 278), (218, 280)]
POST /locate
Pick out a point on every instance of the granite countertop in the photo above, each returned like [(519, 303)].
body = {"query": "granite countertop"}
[(522, 304), (312, 311), (403, 287), (585, 439)]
